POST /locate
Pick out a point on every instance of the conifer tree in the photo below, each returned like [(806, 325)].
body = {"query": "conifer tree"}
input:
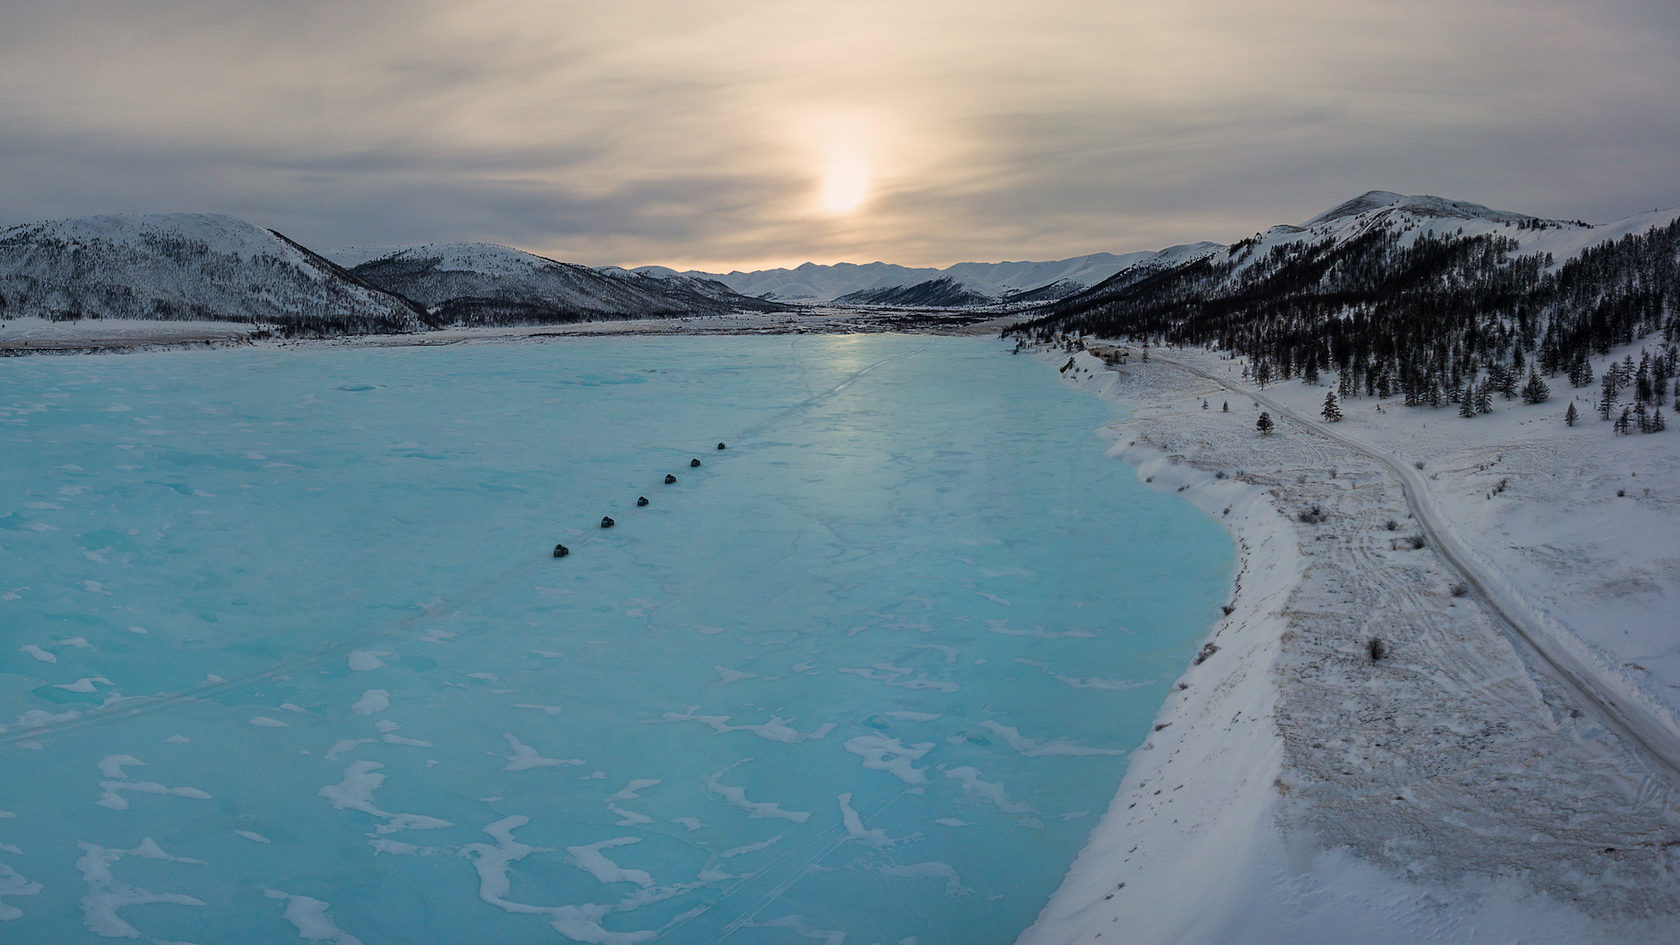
[(1467, 406), (1580, 371), (1535, 391), (1507, 383), (1332, 411), (1484, 398), (1570, 415), (1264, 424), (1658, 424)]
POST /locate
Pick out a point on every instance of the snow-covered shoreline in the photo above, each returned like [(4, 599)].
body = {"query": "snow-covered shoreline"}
[(1294, 789), (1143, 849), (31, 336)]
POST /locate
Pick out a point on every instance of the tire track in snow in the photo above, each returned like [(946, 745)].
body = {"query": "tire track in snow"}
[(1659, 739)]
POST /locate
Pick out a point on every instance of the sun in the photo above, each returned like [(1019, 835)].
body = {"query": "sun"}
[(845, 182)]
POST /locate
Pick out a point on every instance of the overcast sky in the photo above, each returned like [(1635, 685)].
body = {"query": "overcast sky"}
[(723, 133)]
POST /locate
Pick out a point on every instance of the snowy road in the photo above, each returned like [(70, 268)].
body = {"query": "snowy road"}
[(1504, 602)]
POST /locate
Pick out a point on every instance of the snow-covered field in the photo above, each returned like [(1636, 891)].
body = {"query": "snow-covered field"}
[(1459, 789), (106, 334)]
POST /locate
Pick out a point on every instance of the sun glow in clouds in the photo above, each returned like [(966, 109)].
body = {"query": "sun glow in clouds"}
[(845, 183)]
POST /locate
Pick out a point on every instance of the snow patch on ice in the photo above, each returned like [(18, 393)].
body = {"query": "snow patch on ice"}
[(13, 883), (882, 753), (902, 677), (1032, 748), (775, 730), (525, 757), (876, 839), (85, 684), (106, 894), (932, 869), (737, 797), (355, 792), (38, 653), (366, 661), (591, 860), (310, 918), (117, 782), (633, 789), (989, 791)]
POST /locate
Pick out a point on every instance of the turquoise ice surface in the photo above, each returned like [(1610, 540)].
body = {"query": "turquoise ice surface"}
[(285, 656)]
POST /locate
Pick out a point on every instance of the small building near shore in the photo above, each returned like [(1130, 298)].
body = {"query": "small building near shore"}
[(1111, 354)]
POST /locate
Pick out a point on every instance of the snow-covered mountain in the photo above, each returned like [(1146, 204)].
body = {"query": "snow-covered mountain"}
[(484, 283), (985, 281), (1150, 264), (1415, 294), (944, 292), (184, 266), (1395, 219)]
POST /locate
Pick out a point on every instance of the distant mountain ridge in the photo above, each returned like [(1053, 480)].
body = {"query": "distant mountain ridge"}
[(944, 292), (988, 282), (210, 266), (490, 284), (178, 266)]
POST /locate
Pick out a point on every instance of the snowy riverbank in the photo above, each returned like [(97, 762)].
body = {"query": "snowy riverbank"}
[(23, 336), (1295, 789)]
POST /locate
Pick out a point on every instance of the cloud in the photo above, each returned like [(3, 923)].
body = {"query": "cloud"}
[(695, 131)]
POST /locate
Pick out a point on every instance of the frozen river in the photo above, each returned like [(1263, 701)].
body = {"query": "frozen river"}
[(284, 655)]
